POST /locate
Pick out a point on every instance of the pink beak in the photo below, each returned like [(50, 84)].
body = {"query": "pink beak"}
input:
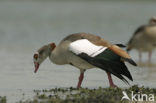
[(36, 66)]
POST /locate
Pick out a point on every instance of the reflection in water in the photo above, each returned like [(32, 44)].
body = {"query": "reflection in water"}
[(146, 64)]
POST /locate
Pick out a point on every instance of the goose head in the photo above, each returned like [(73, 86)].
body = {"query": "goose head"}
[(42, 54), (152, 21)]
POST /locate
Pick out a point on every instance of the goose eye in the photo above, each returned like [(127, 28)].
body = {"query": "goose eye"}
[(36, 56)]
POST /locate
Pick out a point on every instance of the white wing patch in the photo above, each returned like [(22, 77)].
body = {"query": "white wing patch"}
[(85, 46)]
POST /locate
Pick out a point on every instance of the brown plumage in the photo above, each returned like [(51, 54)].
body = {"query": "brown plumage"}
[(111, 61), (97, 41)]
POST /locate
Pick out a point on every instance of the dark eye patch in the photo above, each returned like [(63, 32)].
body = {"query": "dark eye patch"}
[(36, 56), (154, 20)]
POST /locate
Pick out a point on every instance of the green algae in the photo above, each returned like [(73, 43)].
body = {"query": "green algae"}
[(3, 99), (86, 95)]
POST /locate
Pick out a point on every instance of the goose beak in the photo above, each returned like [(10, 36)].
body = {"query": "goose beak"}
[(36, 66)]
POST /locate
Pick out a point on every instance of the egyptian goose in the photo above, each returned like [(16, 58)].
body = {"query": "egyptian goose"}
[(85, 51), (144, 39)]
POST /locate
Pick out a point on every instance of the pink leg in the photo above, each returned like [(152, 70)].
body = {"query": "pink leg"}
[(149, 57), (80, 79), (110, 80), (140, 56)]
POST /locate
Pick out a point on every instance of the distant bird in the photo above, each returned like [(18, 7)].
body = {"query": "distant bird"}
[(144, 39), (85, 51)]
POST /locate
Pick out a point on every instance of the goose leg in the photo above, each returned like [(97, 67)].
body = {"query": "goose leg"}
[(110, 80), (149, 57), (140, 57), (80, 79)]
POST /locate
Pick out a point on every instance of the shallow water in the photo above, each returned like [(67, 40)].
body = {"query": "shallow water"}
[(26, 26)]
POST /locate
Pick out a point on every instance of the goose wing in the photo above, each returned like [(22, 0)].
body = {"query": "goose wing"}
[(101, 56)]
